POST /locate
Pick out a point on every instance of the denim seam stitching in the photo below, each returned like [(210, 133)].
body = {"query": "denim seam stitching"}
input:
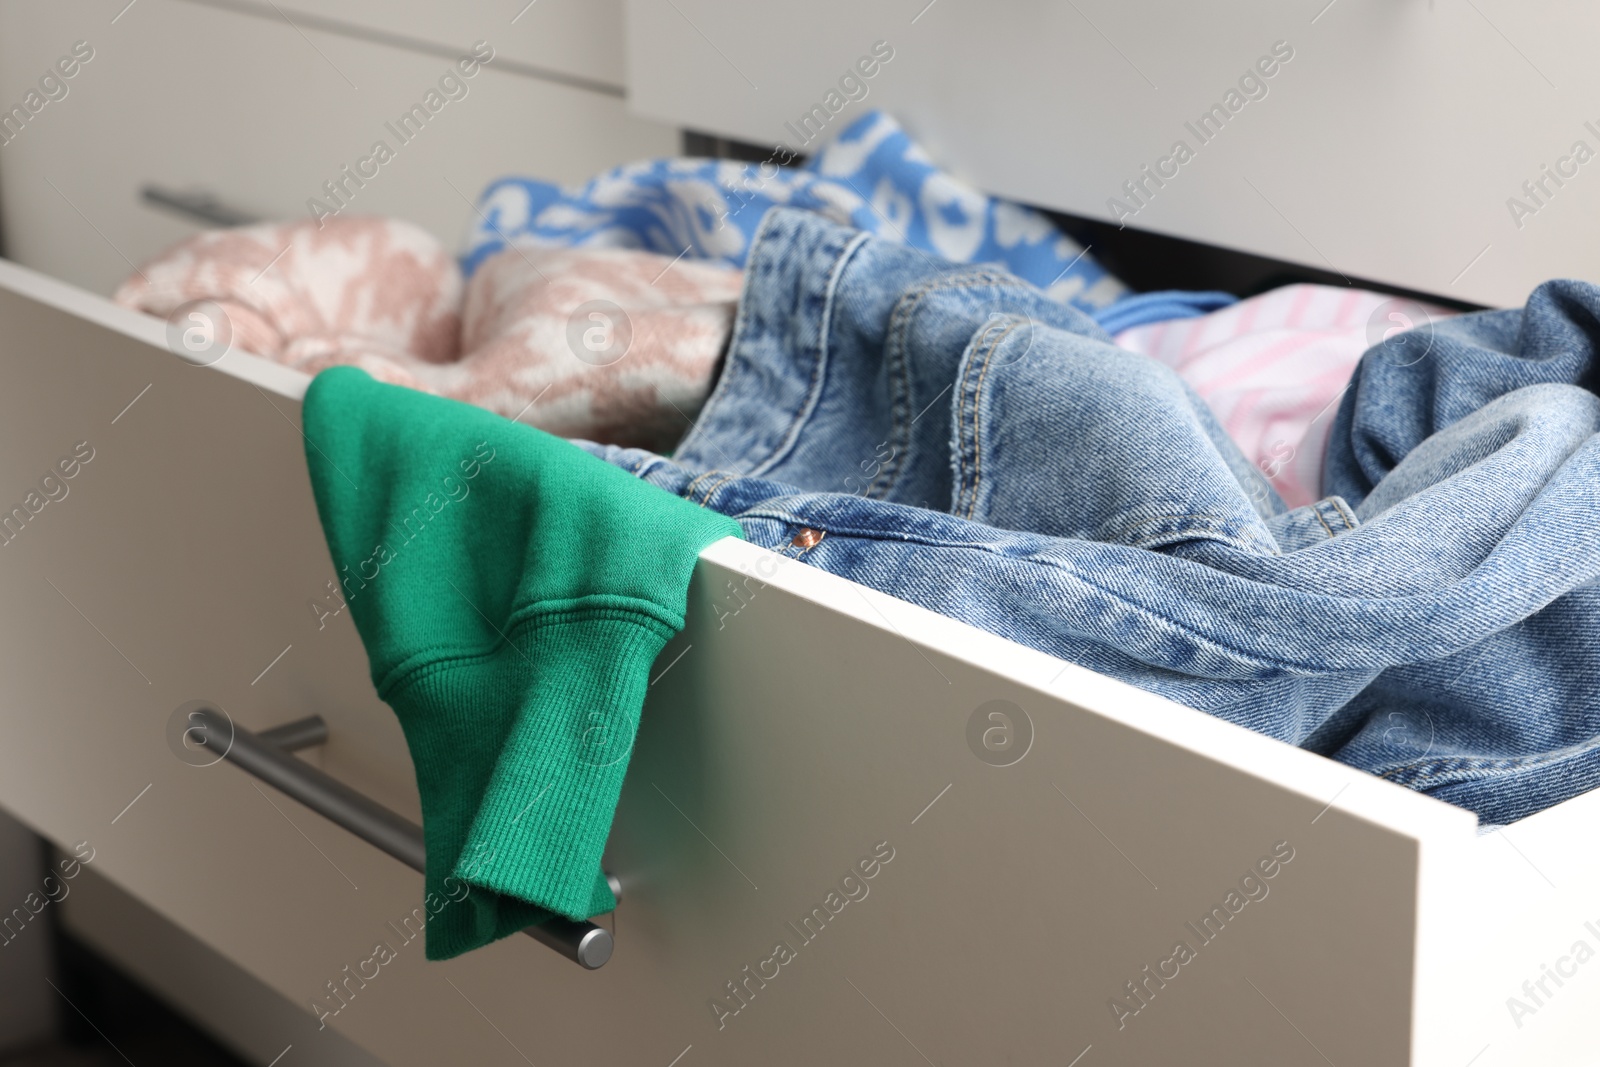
[(1317, 511), (977, 413), (960, 506), (691, 489), (1471, 764), (1255, 658), (820, 364), (901, 319), (705, 500), (649, 464), (741, 325), (1190, 526)]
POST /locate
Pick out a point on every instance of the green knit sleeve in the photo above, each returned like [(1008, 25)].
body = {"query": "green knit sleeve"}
[(512, 592)]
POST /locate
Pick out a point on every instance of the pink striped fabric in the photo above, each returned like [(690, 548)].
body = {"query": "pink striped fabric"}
[(1273, 368)]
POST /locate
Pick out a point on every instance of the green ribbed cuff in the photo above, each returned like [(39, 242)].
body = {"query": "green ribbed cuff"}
[(542, 826)]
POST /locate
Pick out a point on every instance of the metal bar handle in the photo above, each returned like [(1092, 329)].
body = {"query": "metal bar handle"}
[(197, 206), (267, 756)]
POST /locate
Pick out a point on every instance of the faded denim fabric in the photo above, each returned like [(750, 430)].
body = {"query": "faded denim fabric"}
[(966, 444)]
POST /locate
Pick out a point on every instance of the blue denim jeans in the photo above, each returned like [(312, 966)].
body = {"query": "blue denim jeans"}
[(963, 443)]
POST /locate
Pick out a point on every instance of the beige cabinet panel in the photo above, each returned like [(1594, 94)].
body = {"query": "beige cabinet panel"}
[(1385, 140), (579, 38), (191, 97)]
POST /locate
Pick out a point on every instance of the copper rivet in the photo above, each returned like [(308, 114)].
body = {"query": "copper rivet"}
[(806, 538)]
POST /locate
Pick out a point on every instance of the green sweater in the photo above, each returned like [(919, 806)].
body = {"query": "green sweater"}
[(512, 592)]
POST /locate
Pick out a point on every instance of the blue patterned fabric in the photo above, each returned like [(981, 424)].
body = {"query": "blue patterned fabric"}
[(873, 177), (1141, 309)]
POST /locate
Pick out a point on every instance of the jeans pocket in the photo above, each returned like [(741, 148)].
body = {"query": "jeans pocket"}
[(1064, 434)]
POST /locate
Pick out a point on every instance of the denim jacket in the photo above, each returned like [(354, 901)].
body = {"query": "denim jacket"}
[(964, 443)]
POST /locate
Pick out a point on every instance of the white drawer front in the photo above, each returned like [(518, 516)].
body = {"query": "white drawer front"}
[(785, 745)]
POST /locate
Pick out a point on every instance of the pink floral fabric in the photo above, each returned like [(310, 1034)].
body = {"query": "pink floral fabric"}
[(614, 345)]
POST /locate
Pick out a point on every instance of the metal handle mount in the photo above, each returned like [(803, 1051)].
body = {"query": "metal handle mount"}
[(267, 755)]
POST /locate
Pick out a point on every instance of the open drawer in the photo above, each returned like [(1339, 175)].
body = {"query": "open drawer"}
[(1040, 838)]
